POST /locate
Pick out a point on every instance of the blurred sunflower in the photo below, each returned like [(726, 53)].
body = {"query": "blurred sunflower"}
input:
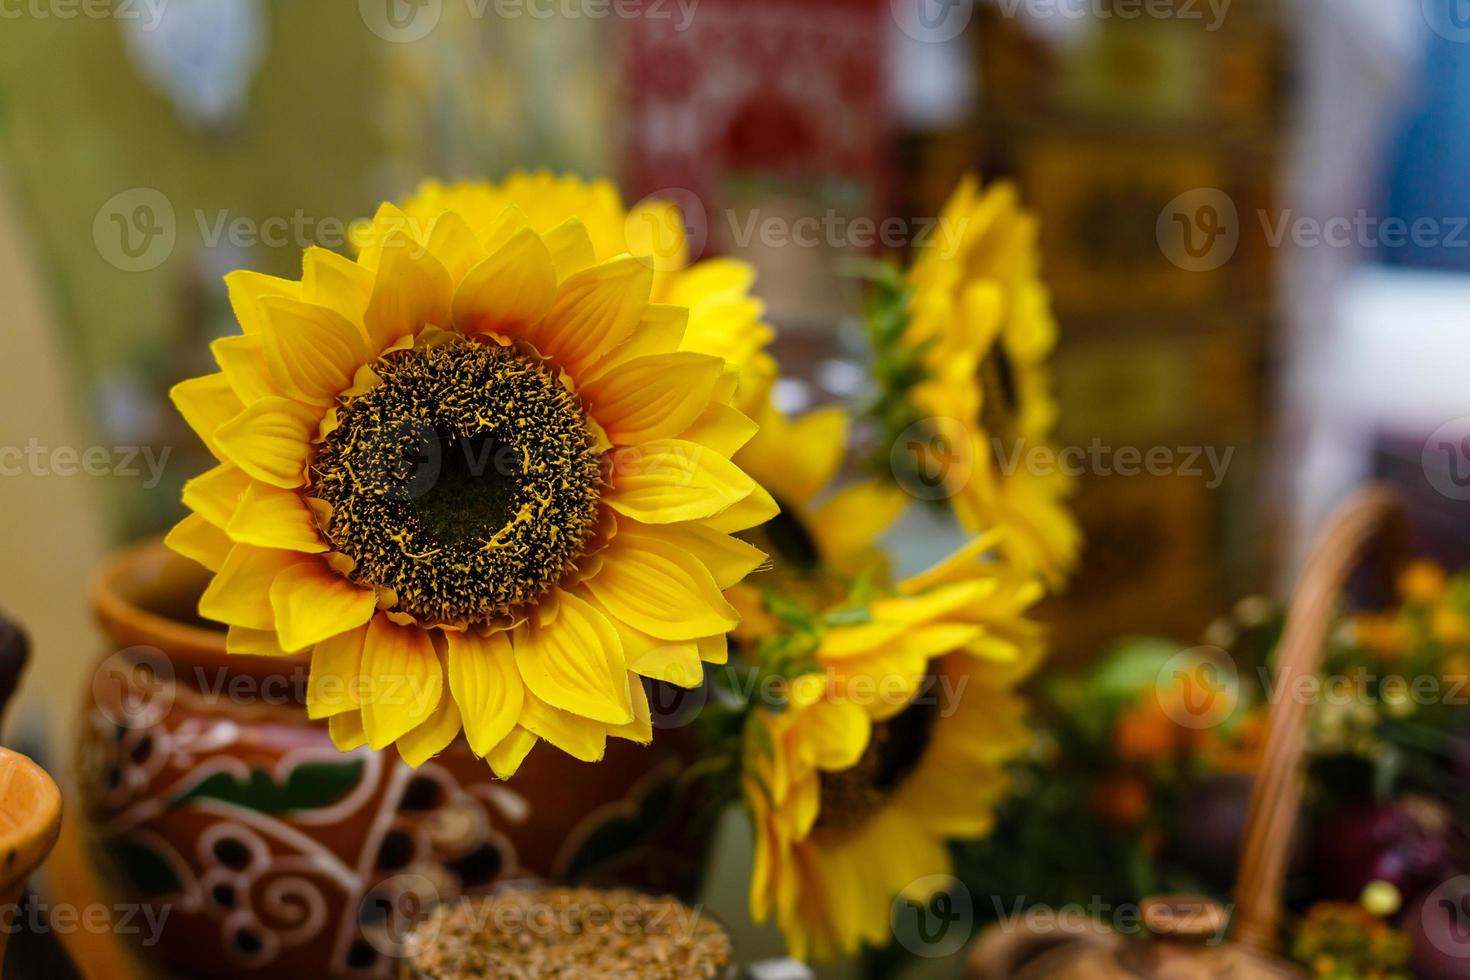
[(822, 538), (474, 473), (724, 319), (974, 335), (897, 745)]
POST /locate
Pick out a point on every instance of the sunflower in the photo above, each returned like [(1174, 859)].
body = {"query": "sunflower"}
[(895, 747), (822, 537), (724, 319), (978, 323), (477, 476)]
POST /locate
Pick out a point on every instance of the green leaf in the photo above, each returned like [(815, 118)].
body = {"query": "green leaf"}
[(310, 786), (147, 870)]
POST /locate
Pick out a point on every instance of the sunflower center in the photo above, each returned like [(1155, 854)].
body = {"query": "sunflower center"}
[(894, 751), (466, 484)]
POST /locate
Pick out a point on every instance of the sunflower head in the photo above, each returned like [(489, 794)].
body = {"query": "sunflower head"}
[(963, 343), (480, 475), (891, 743)]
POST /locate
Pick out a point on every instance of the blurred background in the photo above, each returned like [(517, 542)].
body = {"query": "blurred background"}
[(1255, 227)]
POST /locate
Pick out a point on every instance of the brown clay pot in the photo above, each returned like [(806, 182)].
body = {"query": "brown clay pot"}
[(30, 819), (208, 791)]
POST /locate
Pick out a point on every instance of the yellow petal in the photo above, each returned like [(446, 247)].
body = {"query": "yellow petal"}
[(673, 663), (652, 397), (453, 243), (332, 685), (575, 663), (576, 736), (242, 641), (721, 428), (659, 331), (313, 352), (431, 737), (751, 511), (655, 232), (242, 359), (510, 290), (207, 404), (714, 649), (640, 729), (270, 517), (728, 558), (239, 593), (850, 521), (662, 591), (570, 248), (817, 442), (674, 480), (484, 680), (411, 291), (336, 282), (215, 494), (198, 540), (402, 681), (246, 289), (271, 440), (594, 311), (347, 731), (312, 602), (506, 758)]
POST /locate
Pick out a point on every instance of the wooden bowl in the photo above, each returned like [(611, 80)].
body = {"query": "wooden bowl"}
[(30, 819)]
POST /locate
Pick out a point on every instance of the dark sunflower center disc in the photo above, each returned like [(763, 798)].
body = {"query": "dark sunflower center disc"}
[(468, 482), (895, 749)]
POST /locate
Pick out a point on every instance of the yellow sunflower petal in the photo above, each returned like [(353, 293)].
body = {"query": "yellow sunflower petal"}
[(652, 397), (411, 291), (332, 685), (270, 440), (242, 641), (570, 247), (431, 737), (246, 289), (239, 593), (575, 736), (242, 359), (675, 480), (851, 520), (313, 352), (749, 512), (506, 758), (575, 663), (817, 442), (198, 540), (660, 590), (312, 602), (721, 428), (510, 290), (659, 331), (270, 517), (595, 310), (336, 282), (455, 246), (714, 649), (215, 494), (207, 404), (484, 680), (728, 558), (402, 681), (347, 731)]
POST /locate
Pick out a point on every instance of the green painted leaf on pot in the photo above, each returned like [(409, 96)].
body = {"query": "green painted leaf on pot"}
[(622, 834), (147, 871), (310, 786)]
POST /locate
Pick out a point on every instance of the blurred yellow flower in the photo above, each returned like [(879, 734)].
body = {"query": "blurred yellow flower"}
[(1422, 582), (479, 476), (980, 319)]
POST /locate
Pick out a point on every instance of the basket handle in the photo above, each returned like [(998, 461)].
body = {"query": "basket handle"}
[(1276, 796)]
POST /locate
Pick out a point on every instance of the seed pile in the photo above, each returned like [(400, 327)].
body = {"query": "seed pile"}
[(569, 934)]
